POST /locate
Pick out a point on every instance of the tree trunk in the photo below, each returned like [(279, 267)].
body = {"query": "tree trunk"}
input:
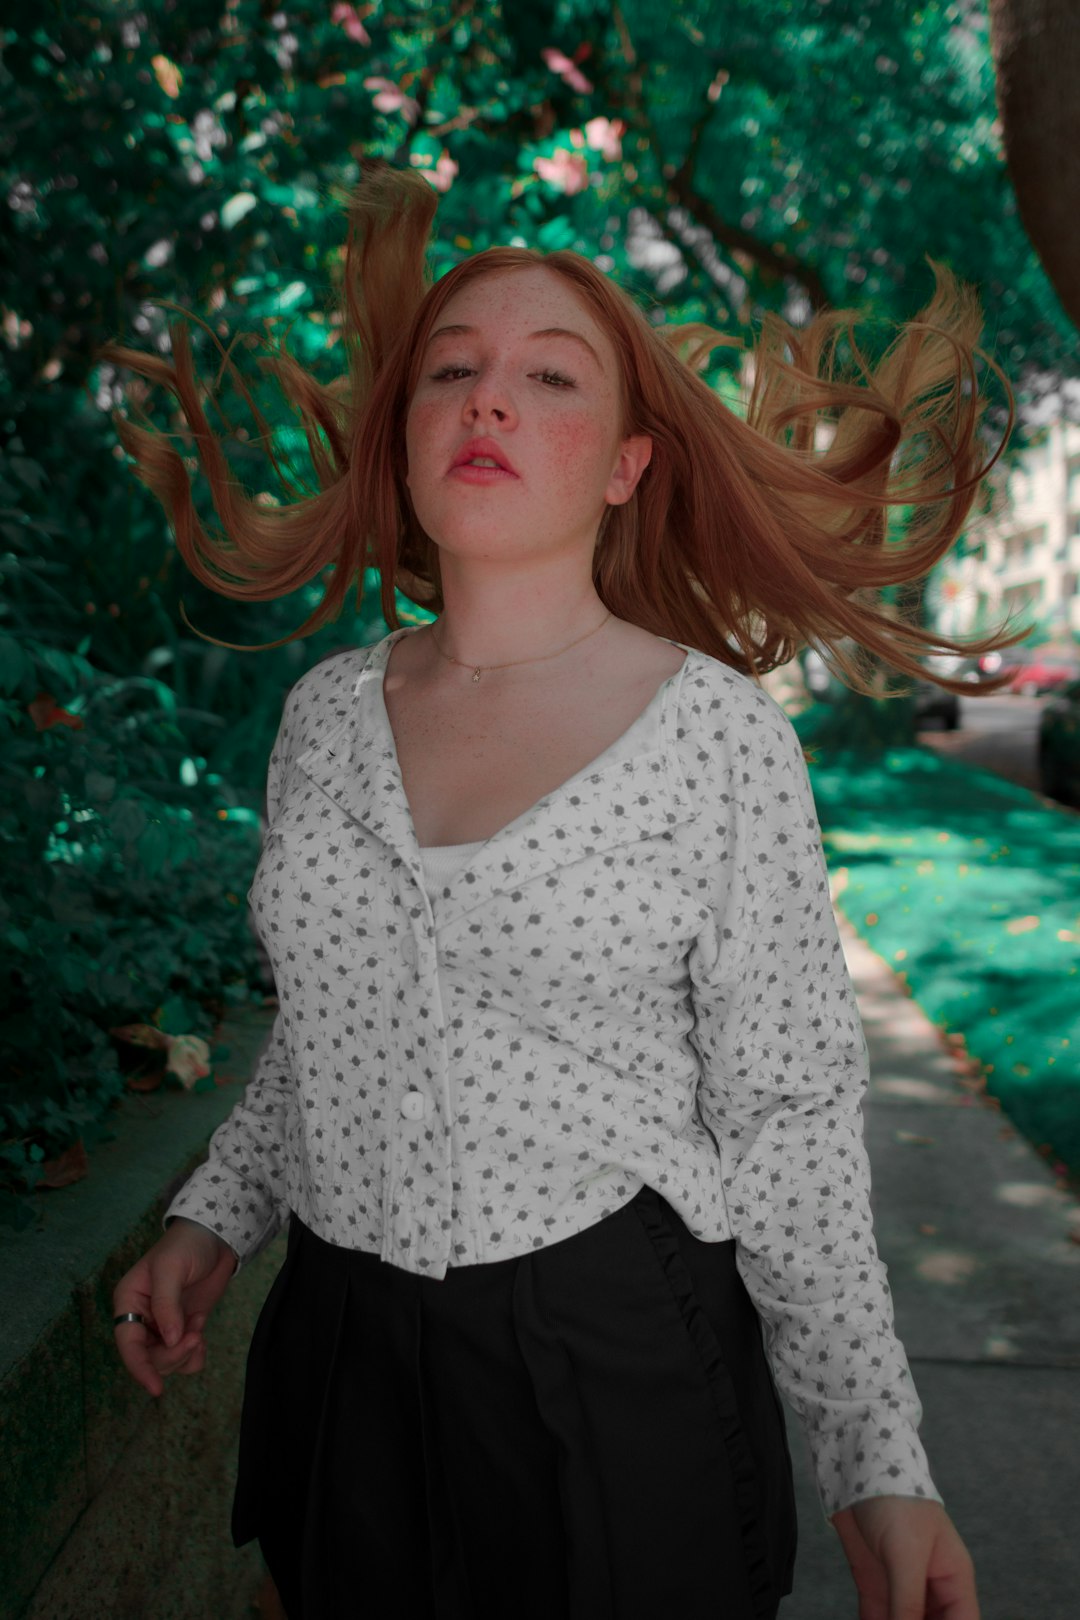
[(1036, 50)]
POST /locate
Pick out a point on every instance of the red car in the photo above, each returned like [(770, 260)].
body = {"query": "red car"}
[(1035, 671)]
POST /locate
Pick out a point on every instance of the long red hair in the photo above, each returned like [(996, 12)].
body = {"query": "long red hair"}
[(744, 538)]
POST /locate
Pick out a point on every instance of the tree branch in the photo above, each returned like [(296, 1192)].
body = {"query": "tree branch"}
[(680, 181)]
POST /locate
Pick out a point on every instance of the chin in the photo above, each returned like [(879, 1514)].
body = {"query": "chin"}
[(468, 536)]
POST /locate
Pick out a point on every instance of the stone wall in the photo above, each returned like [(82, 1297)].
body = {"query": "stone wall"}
[(116, 1503)]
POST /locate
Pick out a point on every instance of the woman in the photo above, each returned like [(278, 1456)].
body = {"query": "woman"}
[(561, 1103)]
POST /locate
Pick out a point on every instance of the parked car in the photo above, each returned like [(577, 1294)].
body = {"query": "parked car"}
[(1059, 744), (1036, 669), (934, 702)]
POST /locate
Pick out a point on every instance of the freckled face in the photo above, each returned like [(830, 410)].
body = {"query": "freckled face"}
[(546, 401)]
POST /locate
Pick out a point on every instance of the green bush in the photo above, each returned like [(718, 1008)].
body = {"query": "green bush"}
[(124, 862)]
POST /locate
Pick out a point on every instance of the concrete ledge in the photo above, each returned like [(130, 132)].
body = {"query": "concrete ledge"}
[(113, 1502)]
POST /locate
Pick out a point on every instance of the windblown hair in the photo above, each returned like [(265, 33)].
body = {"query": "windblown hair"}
[(743, 538)]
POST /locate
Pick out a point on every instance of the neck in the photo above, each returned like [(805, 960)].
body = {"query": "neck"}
[(507, 646)]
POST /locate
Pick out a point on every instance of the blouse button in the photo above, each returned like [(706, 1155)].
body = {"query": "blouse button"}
[(414, 1105)]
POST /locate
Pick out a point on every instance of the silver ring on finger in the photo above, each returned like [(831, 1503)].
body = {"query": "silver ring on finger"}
[(128, 1316)]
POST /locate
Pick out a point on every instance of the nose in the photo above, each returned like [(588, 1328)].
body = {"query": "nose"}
[(487, 395)]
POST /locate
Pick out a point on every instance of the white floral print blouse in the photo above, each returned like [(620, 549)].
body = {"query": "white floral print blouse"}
[(640, 979)]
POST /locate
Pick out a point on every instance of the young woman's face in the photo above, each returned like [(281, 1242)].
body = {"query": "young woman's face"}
[(550, 405)]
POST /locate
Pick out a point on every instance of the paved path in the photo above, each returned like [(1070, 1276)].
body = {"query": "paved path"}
[(983, 1255)]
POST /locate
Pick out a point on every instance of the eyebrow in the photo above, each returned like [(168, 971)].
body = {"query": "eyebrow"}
[(545, 331)]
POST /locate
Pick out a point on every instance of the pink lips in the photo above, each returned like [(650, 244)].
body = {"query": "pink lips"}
[(487, 449)]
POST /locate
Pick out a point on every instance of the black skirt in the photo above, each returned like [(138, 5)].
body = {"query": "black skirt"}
[(590, 1431)]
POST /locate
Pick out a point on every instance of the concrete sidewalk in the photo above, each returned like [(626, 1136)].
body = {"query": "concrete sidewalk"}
[(983, 1256)]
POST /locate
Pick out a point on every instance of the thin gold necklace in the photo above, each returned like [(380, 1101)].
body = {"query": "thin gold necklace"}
[(477, 668)]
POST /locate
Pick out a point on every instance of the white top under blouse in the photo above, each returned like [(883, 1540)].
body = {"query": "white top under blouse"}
[(484, 1048), (441, 861)]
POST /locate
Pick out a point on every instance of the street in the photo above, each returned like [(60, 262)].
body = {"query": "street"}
[(998, 733)]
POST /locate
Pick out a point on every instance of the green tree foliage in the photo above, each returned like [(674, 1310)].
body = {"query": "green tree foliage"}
[(719, 159)]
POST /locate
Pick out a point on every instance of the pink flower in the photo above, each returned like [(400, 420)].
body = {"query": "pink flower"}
[(566, 170), (391, 98), (443, 174), (188, 1058), (567, 70), (446, 170), (605, 136), (349, 19)]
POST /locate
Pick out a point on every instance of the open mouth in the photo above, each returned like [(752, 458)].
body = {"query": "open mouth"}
[(479, 475)]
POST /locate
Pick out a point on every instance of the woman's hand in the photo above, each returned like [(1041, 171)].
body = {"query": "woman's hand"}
[(907, 1560), (174, 1286)]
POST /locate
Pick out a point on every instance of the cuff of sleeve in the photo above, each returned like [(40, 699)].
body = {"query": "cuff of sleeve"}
[(930, 1495), (881, 1457), (246, 1239), (172, 1216)]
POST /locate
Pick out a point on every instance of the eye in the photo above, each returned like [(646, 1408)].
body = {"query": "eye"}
[(553, 377)]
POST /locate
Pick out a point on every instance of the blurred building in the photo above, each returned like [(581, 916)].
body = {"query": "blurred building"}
[(1022, 546)]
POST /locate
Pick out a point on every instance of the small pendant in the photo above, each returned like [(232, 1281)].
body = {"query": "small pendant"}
[(476, 676)]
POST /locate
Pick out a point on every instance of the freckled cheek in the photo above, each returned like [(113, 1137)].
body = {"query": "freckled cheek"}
[(421, 437), (575, 448)]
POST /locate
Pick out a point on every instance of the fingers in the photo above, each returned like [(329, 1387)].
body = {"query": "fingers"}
[(196, 1360), (158, 1286), (149, 1361), (165, 1304)]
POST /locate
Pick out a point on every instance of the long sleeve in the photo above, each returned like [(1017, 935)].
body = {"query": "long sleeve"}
[(784, 1067), (238, 1191)]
